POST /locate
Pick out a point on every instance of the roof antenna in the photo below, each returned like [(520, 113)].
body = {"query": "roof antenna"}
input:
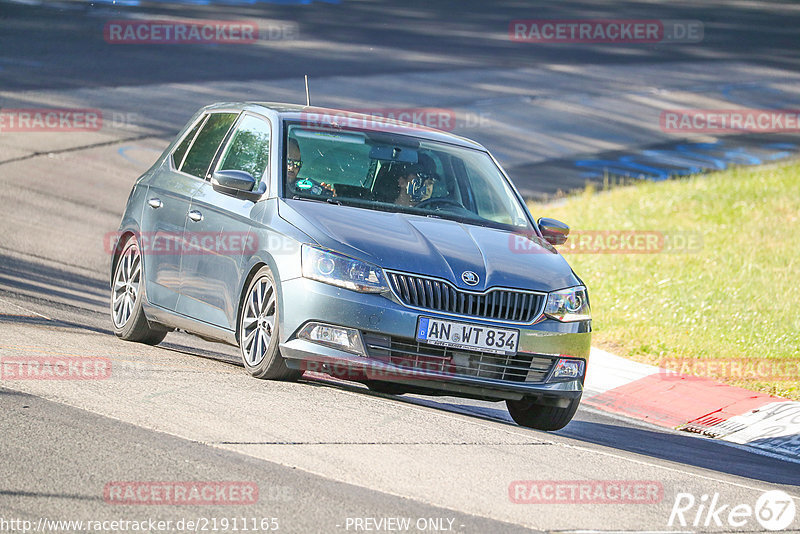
[(308, 95)]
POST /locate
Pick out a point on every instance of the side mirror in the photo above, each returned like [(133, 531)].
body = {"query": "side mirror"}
[(553, 231), (240, 184)]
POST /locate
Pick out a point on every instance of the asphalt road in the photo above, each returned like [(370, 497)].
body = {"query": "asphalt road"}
[(323, 453), (60, 48), (96, 450)]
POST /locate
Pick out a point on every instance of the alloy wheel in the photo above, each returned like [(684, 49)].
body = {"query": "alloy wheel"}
[(126, 285), (258, 323)]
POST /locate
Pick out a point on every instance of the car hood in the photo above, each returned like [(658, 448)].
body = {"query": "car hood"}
[(435, 247)]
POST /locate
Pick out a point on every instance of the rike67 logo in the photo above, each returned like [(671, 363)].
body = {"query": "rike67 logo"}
[(774, 510)]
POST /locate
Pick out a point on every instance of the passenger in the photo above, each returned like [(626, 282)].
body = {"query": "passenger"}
[(392, 183), (414, 186)]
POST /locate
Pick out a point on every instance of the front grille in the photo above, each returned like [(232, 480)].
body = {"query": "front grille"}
[(412, 355), (439, 295)]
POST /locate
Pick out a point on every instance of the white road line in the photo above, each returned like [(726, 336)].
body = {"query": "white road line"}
[(26, 309)]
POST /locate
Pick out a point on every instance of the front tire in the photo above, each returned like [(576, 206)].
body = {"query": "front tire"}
[(527, 413), (127, 295), (258, 330)]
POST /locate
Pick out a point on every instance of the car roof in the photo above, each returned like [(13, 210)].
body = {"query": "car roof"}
[(338, 117)]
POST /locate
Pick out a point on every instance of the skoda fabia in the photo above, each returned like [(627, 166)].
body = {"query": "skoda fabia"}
[(369, 249)]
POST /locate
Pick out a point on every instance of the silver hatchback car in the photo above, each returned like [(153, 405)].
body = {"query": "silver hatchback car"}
[(369, 249)]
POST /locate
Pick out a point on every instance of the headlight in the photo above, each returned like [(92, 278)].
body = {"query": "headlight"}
[(568, 305), (343, 271)]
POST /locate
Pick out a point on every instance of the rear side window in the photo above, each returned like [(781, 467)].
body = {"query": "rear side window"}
[(180, 152), (206, 143), (248, 149)]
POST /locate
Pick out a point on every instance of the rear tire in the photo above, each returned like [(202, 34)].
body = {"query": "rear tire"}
[(259, 320), (127, 295), (527, 413)]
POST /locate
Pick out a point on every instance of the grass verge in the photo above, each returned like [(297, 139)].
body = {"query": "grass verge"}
[(716, 292)]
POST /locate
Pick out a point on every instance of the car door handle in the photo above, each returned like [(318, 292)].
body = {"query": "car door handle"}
[(155, 203), (195, 215)]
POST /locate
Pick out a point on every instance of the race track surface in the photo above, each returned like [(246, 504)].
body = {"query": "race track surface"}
[(324, 452)]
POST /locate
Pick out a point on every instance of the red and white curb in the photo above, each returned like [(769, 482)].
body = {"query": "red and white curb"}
[(693, 404)]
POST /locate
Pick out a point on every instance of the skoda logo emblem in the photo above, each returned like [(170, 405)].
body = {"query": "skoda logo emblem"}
[(470, 278)]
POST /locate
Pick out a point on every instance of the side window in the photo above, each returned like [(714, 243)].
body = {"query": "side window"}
[(206, 143), (180, 152), (248, 149)]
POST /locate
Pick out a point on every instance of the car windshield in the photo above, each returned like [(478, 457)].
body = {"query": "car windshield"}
[(398, 173)]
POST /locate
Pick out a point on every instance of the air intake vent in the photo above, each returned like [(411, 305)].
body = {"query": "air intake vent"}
[(412, 355)]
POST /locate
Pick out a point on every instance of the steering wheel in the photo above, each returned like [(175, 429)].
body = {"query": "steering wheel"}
[(440, 200)]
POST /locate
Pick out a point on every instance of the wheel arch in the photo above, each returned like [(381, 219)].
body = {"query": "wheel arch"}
[(255, 265), (124, 236)]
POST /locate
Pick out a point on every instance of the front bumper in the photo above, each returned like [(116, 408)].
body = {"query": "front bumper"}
[(307, 300)]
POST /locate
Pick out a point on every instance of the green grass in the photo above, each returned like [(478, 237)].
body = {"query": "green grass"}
[(736, 298)]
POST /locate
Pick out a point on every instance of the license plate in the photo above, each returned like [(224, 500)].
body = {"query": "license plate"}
[(467, 336)]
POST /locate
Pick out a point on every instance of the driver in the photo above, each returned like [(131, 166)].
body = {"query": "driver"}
[(294, 160)]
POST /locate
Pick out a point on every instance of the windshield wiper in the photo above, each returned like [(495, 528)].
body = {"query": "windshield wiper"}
[(310, 199), (354, 202)]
